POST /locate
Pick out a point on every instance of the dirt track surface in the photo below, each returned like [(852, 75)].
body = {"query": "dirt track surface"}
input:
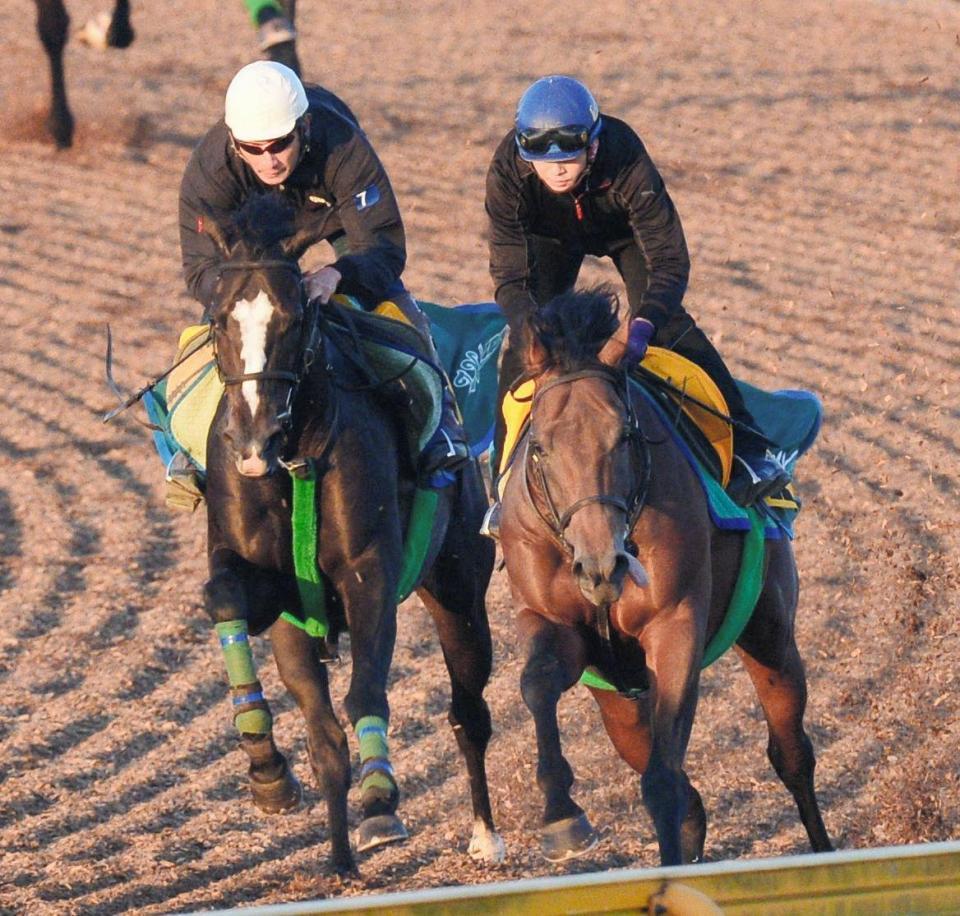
[(815, 159)]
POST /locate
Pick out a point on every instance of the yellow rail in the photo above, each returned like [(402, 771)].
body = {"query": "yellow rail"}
[(895, 880)]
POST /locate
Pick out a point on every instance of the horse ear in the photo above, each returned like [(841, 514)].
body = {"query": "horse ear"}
[(616, 347), (209, 225), (535, 354), (299, 242)]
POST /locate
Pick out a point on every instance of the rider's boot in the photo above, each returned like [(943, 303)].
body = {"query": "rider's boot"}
[(756, 475), (448, 449)]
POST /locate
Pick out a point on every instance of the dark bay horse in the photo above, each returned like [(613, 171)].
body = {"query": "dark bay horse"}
[(292, 396), (53, 26), (596, 480)]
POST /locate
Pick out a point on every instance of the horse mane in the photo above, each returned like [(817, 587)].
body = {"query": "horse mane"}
[(262, 221), (573, 327)]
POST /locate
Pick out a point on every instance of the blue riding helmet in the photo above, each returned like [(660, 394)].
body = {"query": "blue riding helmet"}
[(557, 118)]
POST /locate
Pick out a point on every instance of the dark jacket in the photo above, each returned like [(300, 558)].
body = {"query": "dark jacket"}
[(339, 186), (622, 201)]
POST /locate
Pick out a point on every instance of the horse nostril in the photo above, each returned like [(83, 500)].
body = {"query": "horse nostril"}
[(620, 567), (577, 569)]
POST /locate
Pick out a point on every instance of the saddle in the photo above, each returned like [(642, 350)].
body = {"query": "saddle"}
[(707, 435)]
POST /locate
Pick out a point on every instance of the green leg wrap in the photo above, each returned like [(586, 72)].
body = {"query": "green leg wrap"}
[(255, 6), (235, 643), (251, 713), (255, 719), (375, 770), (371, 732)]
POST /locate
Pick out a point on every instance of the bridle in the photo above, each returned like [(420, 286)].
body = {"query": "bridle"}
[(631, 506), (310, 340)]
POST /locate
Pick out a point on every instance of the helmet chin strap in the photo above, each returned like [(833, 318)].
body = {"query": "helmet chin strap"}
[(303, 127), (592, 150)]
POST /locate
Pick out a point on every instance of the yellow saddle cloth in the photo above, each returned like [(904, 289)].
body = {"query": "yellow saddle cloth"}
[(194, 389), (685, 376)]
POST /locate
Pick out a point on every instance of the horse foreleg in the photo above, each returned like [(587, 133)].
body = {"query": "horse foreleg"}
[(272, 783), (555, 658), (782, 692), (627, 722), (460, 617), (305, 677), (53, 25), (669, 644), (369, 603)]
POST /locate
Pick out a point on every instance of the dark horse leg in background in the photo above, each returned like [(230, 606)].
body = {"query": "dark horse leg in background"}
[(53, 25), (454, 592)]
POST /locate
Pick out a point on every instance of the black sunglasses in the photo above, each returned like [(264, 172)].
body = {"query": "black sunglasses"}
[(273, 147), (572, 139)]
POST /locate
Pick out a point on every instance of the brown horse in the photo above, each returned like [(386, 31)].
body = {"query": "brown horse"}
[(598, 483)]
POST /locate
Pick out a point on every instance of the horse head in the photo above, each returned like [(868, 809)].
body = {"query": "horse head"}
[(262, 329), (585, 456)]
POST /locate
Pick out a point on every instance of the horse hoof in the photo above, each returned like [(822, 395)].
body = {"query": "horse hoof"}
[(380, 830), (567, 839), (93, 34), (486, 845), (281, 796)]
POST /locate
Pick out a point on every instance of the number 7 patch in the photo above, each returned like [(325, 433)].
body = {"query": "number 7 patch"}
[(367, 197)]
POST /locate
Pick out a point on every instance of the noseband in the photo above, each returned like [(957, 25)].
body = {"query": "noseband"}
[(310, 341), (558, 521)]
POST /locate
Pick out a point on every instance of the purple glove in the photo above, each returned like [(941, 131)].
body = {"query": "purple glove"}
[(638, 337)]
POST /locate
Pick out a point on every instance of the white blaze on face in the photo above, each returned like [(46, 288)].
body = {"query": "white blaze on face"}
[(253, 316)]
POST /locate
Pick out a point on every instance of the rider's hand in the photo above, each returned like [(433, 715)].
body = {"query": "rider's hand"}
[(322, 283), (638, 338)]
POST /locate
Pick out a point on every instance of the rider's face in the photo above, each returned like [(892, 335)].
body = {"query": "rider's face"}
[(561, 176), (272, 160)]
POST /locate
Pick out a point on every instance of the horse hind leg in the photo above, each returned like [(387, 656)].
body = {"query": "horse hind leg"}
[(305, 676), (108, 30), (120, 34), (782, 692), (53, 25)]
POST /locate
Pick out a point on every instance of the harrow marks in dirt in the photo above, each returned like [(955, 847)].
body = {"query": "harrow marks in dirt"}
[(813, 160)]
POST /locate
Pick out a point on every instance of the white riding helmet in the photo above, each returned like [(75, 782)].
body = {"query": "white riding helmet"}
[(264, 101)]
